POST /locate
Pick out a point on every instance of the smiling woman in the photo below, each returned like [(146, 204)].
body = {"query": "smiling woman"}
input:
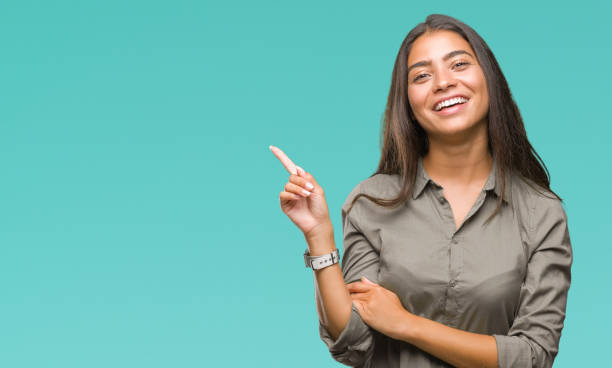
[(459, 101), (460, 255)]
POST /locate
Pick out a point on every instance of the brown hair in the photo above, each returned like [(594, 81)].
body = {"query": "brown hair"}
[(404, 140)]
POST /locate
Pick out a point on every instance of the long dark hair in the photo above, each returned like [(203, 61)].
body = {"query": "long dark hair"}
[(404, 140)]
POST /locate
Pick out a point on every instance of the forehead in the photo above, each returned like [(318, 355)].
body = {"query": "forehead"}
[(434, 45)]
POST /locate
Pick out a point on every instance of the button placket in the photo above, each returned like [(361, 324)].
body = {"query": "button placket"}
[(447, 212), (456, 259), (452, 307), (446, 216)]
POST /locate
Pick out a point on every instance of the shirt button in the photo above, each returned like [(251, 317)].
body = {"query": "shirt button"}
[(441, 199), (452, 283), (454, 241)]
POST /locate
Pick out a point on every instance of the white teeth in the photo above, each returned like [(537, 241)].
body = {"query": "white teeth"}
[(450, 102)]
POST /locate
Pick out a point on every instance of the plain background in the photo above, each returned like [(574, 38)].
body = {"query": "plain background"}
[(140, 223)]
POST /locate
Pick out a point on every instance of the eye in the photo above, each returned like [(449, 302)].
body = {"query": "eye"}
[(457, 64), (418, 77)]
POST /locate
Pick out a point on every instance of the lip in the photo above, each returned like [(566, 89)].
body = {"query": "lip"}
[(446, 98), (452, 110)]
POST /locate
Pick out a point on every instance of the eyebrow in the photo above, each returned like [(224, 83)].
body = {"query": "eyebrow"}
[(446, 57)]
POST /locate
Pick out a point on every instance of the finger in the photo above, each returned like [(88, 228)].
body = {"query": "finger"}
[(306, 175), (293, 188), (358, 287), (365, 279), (361, 297), (286, 196), (302, 173), (301, 182), (286, 161)]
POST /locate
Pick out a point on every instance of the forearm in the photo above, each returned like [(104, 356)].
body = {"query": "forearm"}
[(333, 300), (454, 346)]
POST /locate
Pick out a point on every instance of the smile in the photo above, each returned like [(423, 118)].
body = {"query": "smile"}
[(452, 109)]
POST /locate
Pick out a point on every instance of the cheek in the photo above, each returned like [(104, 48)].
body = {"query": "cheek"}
[(480, 83), (484, 94), (416, 99)]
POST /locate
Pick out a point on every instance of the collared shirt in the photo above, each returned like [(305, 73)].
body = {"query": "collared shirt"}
[(508, 278)]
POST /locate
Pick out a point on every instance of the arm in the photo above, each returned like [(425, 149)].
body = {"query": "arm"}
[(457, 347), (382, 310), (349, 339), (351, 342), (332, 298), (533, 339)]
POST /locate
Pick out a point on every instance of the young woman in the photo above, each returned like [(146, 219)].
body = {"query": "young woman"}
[(456, 251)]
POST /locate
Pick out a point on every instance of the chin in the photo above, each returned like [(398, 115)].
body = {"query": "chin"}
[(453, 127), (456, 125)]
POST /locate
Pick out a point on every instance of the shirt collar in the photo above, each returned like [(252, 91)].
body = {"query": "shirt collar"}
[(421, 179), (492, 184)]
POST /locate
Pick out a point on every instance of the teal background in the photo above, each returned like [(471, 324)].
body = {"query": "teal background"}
[(140, 223)]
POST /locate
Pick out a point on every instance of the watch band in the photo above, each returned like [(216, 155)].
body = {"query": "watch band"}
[(319, 262)]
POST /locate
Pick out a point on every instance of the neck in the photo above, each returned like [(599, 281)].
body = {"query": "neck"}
[(459, 160)]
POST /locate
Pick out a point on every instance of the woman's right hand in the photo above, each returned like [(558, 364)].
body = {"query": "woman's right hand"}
[(304, 204)]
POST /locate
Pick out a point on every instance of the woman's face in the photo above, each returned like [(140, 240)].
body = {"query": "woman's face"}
[(441, 65)]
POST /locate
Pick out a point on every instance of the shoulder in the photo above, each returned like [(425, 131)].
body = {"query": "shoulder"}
[(527, 194), (541, 211), (378, 185)]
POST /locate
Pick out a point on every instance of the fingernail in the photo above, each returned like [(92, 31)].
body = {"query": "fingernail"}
[(309, 186)]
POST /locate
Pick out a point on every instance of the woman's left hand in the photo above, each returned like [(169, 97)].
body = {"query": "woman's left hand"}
[(379, 308)]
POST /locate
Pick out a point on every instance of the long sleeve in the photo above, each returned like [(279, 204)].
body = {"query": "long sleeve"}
[(533, 339), (355, 344)]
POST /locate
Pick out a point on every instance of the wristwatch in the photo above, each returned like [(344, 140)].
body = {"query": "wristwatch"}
[(319, 262)]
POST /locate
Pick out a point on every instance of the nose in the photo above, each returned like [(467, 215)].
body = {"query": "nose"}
[(443, 79)]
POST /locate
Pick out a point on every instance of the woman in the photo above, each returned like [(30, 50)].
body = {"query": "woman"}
[(458, 252)]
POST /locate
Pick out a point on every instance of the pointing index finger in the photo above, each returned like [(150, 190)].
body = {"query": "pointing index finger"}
[(287, 163)]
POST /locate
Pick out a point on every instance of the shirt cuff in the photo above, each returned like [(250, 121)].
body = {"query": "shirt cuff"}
[(512, 352), (355, 343)]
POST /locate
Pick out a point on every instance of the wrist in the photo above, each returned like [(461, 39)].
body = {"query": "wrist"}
[(408, 327), (321, 239)]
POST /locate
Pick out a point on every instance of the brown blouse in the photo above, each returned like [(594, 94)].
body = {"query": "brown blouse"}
[(508, 278)]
